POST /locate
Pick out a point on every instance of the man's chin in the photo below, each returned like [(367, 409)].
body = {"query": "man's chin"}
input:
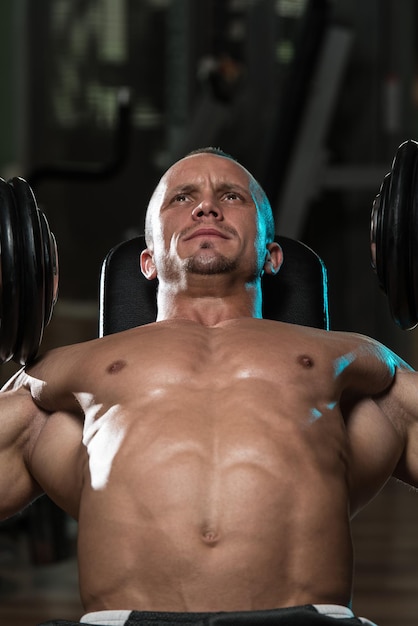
[(209, 265)]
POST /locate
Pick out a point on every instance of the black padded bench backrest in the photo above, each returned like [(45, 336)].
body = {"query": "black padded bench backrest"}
[(297, 294)]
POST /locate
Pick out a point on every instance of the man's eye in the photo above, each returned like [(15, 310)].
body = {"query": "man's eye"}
[(232, 196), (181, 197)]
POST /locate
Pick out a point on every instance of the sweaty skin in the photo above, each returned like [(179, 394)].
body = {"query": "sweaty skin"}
[(216, 473), (213, 459)]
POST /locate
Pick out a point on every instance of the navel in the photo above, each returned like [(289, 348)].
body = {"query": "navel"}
[(306, 361), (210, 537), (116, 366)]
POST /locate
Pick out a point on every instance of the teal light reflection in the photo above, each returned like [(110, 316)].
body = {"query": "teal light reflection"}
[(342, 363)]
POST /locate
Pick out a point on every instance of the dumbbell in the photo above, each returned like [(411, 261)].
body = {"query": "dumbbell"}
[(394, 236), (28, 272)]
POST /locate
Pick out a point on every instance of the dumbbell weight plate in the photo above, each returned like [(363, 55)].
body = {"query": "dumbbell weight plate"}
[(396, 235), (377, 239), (10, 273), (32, 314), (413, 252), (50, 257)]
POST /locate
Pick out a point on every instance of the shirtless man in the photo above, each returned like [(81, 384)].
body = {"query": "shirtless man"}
[(213, 459)]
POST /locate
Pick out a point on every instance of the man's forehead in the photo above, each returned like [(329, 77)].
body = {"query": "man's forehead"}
[(202, 166)]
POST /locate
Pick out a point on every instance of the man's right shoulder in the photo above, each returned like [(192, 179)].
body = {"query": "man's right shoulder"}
[(46, 375)]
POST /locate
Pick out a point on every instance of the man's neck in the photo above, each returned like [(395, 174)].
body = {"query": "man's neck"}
[(209, 308)]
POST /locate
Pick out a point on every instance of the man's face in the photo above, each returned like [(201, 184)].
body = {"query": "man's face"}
[(205, 220)]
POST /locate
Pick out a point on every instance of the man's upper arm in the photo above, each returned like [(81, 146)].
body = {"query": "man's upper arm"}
[(20, 424), (375, 448), (400, 404)]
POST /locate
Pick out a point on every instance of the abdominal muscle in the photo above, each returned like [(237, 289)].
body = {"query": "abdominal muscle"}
[(213, 505)]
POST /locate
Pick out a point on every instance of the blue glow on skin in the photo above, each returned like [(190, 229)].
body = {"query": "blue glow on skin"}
[(342, 363), (385, 355), (315, 415), (265, 233), (392, 360)]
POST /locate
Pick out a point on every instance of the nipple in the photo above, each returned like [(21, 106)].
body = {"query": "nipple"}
[(115, 367), (306, 361)]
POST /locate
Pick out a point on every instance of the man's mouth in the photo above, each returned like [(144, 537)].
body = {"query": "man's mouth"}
[(206, 232)]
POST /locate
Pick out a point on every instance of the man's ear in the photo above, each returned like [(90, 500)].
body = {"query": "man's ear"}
[(274, 258), (146, 261)]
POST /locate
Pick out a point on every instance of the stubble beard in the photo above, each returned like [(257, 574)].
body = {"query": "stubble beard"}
[(205, 265)]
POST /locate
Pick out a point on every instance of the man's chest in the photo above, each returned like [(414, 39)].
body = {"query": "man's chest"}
[(195, 364)]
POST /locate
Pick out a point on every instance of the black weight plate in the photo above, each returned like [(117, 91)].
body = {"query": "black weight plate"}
[(10, 274), (377, 234), (50, 268), (413, 250), (33, 297), (397, 235)]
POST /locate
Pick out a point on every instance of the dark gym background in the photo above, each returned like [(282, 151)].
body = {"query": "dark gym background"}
[(99, 96)]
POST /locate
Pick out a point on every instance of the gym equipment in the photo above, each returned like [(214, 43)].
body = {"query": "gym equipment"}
[(296, 294), (394, 236), (28, 272)]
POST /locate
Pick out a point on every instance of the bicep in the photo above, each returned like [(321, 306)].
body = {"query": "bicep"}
[(17, 487), (401, 405), (58, 458), (20, 422), (375, 447), (407, 468)]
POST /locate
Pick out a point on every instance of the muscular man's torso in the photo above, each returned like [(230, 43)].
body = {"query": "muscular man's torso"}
[(214, 469)]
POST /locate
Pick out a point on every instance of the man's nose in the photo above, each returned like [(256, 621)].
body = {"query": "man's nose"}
[(207, 208)]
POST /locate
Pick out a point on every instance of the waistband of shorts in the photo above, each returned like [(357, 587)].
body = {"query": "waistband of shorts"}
[(106, 618), (122, 617)]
